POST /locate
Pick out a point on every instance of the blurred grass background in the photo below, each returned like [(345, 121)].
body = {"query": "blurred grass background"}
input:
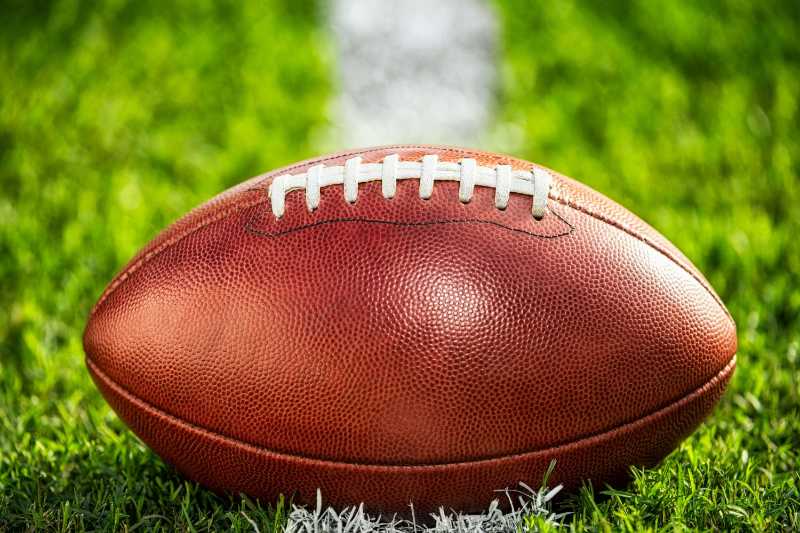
[(119, 116)]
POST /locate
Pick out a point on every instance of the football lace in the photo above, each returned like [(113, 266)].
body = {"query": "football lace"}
[(502, 178)]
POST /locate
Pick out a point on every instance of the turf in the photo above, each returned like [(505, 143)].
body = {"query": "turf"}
[(118, 117)]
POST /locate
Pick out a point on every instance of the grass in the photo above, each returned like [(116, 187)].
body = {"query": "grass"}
[(116, 118)]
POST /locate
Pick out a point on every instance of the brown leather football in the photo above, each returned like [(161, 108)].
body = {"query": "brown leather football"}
[(409, 324)]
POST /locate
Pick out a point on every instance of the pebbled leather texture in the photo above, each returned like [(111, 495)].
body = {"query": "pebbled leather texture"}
[(402, 350)]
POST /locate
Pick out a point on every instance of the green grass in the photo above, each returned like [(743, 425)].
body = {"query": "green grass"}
[(117, 118)]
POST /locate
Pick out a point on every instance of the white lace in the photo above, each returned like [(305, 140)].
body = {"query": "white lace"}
[(502, 178)]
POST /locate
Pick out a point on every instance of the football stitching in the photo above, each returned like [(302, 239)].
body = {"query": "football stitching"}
[(251, 226), (672, 405)]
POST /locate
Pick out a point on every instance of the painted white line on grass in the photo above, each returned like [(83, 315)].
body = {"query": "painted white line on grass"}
[(523, 503), (416, 71)]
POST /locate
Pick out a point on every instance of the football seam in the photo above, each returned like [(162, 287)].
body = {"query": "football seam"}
[(237, 208), (724, 373), (251, 226), (150, 254), (651, 244)]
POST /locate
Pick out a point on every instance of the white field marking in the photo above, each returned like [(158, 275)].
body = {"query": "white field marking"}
[(502, 178), (413, 71), (523, 502)]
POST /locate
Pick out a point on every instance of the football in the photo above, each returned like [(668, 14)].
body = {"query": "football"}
[(409, 324)]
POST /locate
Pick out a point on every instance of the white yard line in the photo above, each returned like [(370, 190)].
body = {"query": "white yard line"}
[(522, 503), (416, 71)]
